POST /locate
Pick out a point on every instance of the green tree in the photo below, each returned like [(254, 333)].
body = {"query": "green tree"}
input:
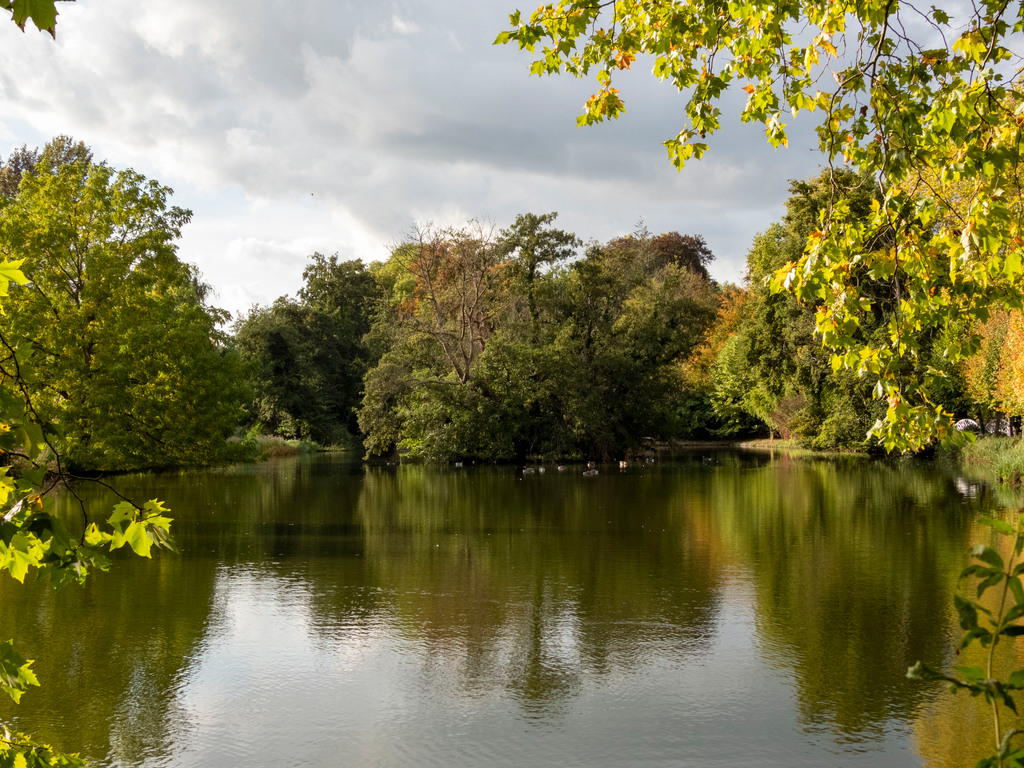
[(443, 292), (732, 388), (915, 98), (499, 349), (533, 246), (272, 342), (638, 352), (783, 377), (129, 365), (307, 357)]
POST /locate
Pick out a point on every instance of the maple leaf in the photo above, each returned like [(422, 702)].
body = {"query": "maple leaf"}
[(42, 12)]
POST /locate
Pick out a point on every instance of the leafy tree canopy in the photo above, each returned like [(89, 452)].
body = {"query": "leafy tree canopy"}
[(32, 540), (506, 345), (129, 365), (307, 358), (919, 99)]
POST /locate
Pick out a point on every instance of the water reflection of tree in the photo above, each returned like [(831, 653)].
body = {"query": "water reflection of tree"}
[(110, 655), (119, 646), (284, 510), (954, 731), (527, 587), (530, 585), (854, 575)]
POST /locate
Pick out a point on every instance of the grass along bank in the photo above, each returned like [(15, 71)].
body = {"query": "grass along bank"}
[(1001, 457)]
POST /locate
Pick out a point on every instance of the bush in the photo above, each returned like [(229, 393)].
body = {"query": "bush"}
[(273, 446), (240, 450)]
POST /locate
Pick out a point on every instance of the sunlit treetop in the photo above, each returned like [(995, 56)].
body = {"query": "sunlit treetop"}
[(787, 56), (918, 99)]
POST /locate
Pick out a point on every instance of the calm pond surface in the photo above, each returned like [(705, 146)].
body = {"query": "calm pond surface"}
[(717, 609)]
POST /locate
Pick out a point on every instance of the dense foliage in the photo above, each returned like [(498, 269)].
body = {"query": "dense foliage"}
[(31, 538), (772, 368), (34, 541), (129, 365), (512, 344), (920, 99), (307, 357), (519, 343), (506, 345)]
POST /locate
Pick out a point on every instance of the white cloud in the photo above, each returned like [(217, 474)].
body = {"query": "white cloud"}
[(334, 125), (403, 27)]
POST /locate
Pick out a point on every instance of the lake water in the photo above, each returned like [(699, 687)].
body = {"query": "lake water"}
[(716, 609)]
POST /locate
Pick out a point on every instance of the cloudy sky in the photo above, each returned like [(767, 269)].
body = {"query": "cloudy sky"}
[(336, 125)]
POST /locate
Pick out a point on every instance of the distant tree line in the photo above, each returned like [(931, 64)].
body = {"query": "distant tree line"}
[(516, 343), (495, 345), (473, 342)]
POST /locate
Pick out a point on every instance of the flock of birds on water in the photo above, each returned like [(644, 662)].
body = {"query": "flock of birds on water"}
[(590, 471)]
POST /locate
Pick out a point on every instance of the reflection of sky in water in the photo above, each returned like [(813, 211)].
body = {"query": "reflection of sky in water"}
[(967, 489), (274, 685)]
